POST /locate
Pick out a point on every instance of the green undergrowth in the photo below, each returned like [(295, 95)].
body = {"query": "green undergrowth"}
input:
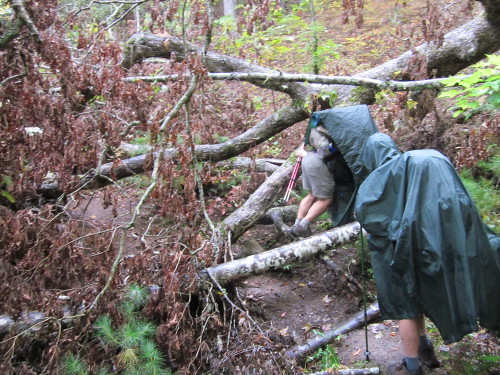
[(130, 345), (484, 191)]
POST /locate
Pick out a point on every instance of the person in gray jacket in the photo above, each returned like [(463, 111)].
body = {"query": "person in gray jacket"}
[(318, 180)]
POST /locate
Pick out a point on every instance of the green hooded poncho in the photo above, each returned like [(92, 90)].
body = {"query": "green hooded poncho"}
[(430, 251), (349, 128)]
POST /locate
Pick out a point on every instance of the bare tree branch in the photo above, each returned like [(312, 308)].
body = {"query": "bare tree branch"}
[(358, 321), (273, 78)]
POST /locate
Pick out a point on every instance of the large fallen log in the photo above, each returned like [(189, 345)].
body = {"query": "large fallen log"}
[(258, 203), (265, 129), (295, 252), (354, 371), (358, 321)]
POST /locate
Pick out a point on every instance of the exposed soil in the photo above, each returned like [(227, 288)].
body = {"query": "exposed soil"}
[(310, 298)]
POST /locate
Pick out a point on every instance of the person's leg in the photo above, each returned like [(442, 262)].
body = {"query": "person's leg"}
[(421, 326), (305, 205), (409, 333), (317, 208), (302, 226)]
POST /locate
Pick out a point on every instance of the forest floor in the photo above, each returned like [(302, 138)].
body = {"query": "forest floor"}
[(307, 299)]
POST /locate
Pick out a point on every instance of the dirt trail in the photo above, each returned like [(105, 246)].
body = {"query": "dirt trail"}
[(302, 300)]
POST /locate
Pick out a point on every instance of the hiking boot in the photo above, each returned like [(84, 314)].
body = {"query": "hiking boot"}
[(298, 230), (400, 369), (427, 357)]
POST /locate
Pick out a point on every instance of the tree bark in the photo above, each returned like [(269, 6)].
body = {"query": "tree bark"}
[(258, 203), (119, 169), (142, 46), (372, 312), (232, 271), (353, 371), (460, 48), (286, 213)]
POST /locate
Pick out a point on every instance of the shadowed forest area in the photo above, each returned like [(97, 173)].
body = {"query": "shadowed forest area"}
[(146, 149)]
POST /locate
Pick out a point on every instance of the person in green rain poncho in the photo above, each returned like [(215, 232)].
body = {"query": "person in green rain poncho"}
[(430, 251)]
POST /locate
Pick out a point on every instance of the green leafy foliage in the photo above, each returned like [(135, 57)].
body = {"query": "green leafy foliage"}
[(5, 183), (485, 192), (133, 340), (286, 32), (326, 357), (480, 90)]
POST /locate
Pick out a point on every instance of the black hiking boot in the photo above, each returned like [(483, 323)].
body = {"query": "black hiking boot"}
[(427, 357), (400, 369)]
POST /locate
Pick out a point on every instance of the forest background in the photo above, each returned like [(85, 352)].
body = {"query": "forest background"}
[(143, 140)]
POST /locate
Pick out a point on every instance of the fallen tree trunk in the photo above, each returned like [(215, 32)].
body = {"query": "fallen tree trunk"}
[(258, 203), (295, 252), (358, 321), (355, 371), (119, 169), (458, 49)]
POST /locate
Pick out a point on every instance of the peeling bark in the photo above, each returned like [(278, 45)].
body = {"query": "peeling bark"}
[(232, 271)]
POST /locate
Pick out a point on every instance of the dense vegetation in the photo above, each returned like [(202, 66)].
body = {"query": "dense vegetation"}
[(67, 112)]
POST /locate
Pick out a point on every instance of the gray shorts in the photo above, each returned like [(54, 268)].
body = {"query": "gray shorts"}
[(316, 177)]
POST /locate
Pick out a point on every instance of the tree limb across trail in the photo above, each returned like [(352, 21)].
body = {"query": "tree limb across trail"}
[(295, 252), (358, 321), (458, 49), (258, 134)]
